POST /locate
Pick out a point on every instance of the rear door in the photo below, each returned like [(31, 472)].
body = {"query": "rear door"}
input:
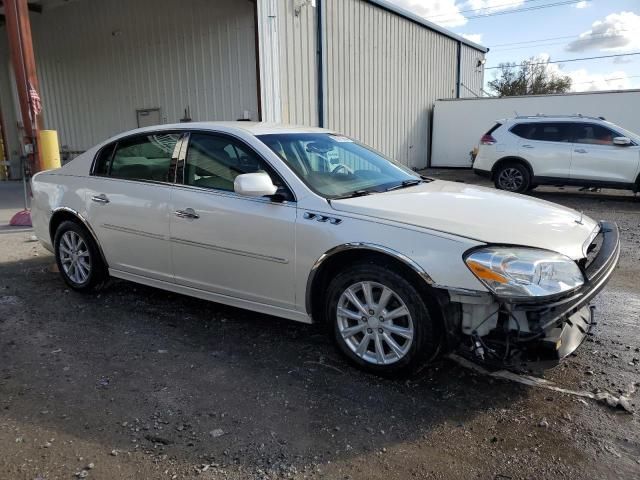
[(597, 159), (546, 146), (127, 201)]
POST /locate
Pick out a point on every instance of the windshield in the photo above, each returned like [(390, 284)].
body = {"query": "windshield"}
[(336, 166)]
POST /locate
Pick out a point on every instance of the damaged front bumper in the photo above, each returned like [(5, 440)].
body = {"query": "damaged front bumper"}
[(536, 335)]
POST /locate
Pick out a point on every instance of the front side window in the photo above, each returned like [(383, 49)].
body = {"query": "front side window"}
[(544, 131), (592, 134), (143, 157), (215, 161), (334, 166)]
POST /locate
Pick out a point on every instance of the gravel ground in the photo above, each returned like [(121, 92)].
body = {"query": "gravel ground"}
[(138, 383)]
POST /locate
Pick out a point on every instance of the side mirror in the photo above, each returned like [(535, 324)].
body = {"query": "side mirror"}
[(254, 185), (622, 141)]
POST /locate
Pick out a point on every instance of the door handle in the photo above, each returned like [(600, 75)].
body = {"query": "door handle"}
[(527, 146), (102, 198), (186, 213), (580, 150)]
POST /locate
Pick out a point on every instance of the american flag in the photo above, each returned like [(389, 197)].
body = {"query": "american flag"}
[(34, 100)]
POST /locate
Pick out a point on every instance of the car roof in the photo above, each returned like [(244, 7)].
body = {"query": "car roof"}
[(546, 118), (253, 128)]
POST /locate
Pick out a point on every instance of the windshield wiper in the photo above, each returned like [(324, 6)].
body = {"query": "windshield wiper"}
[(404, 184), (357, 193)]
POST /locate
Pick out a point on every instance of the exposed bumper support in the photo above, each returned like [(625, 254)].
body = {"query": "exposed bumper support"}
[(557, 327), (597, 274)]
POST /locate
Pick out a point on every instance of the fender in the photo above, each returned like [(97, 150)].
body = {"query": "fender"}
[(513, 158), (85, 223), (360, 246)]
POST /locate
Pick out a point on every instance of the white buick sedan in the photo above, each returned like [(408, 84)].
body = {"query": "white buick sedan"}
[(310, 225)]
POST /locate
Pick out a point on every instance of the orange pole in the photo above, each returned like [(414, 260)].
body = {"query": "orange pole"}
[(17, 42), (29, 57)]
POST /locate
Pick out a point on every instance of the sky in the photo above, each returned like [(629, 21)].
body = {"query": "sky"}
[(515, 30)]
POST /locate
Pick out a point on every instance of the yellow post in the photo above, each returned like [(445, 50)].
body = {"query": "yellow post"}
[(49, 149)]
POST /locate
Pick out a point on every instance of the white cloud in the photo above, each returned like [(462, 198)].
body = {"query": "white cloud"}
[(442, 12), (452, 13), (583, 4), (583, 81), (473, 37), (488, 6), (620, 60), (617, 32)]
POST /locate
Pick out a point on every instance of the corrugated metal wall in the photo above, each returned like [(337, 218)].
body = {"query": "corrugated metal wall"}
[(471, 74), (384, 73), (99, 61), (298, 62)]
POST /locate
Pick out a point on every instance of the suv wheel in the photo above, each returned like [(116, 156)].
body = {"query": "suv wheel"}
[(78, 258), (380, 321), (513, 177)]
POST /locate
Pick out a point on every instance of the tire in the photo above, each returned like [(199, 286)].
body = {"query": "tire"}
[(415, 336), (78, 258), (512, 177)]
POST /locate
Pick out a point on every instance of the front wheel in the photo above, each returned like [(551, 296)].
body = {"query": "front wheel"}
[(380, 320), (513, 177)]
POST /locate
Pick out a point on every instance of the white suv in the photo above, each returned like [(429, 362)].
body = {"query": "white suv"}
[(521, 153)]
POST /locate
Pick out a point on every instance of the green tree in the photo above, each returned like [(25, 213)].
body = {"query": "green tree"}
[(530, 77)]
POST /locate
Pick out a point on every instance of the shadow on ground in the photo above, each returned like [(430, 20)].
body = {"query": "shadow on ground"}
[(136, 368)]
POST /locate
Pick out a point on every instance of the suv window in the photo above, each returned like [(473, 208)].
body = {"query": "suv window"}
[(215, 161), (143, 157), (593, 134), (544, 131)]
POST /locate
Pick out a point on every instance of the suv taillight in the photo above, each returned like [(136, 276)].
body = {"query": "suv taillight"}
[(487, 139)]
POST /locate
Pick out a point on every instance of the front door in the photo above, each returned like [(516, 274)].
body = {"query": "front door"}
[(127, 203), (225, 243), (596, 158)]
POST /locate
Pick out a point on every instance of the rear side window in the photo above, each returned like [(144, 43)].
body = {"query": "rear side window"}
[(593, 134), (145, 157), (544, 131)]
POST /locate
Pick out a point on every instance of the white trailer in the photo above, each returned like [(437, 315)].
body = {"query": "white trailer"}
[(458, 124)]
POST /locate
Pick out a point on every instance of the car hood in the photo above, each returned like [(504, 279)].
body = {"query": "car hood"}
[(484, 214)]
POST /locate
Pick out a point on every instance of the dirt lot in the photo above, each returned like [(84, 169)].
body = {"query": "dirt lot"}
[(138, 383)]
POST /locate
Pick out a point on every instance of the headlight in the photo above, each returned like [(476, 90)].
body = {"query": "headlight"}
[(524, 272)]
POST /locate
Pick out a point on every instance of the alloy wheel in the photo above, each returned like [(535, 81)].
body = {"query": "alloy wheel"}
[(511, 179), (375, 323), (75, 257)]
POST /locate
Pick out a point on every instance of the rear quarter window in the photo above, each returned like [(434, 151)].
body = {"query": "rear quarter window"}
[(103, 160)]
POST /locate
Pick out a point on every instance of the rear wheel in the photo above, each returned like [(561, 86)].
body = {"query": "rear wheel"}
[(78, 258), (380, 321), (512, 177)]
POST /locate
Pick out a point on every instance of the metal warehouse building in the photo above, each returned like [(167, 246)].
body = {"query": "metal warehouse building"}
[(363, 67)]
